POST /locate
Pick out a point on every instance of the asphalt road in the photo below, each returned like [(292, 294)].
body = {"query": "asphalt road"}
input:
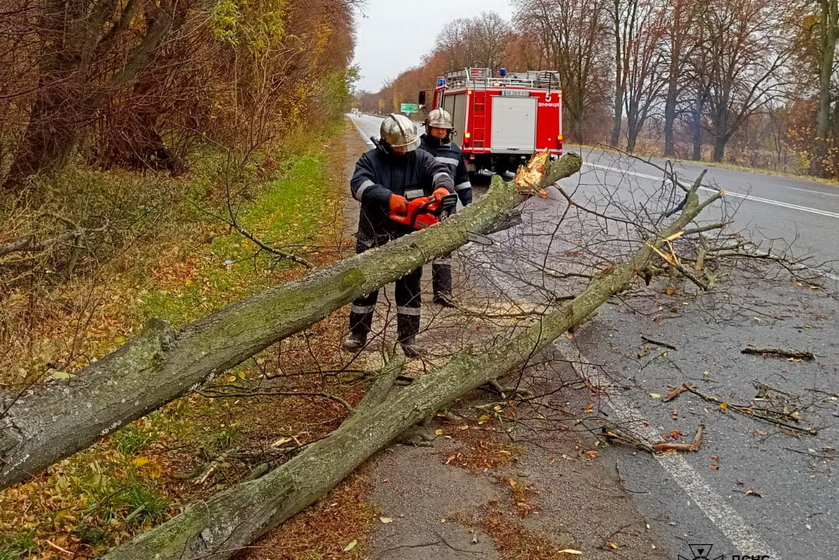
[(771, 207), (754, 489)]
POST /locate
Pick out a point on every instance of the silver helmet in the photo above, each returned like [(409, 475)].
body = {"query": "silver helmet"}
[(439, 118), (398, 131)]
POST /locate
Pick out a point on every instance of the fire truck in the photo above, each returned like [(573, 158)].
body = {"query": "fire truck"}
[(501, 119)]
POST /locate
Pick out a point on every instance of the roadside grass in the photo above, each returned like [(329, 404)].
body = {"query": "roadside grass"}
[(142, 474)]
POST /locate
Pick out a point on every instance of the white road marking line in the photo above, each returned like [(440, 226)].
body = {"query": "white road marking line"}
[(361, 132), (809, 191), (713, 505), (727, 192), (818, 270)]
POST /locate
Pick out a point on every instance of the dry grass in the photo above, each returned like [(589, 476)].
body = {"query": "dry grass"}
[(198, 444)]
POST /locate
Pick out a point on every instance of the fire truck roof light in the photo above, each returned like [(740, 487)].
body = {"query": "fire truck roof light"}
[(441, 81)]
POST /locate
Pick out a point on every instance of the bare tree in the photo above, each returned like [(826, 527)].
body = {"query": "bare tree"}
[(643, 68), (827, 39), (680, 42), (572, 35), (480, 41), (622, 15), (746, 55)]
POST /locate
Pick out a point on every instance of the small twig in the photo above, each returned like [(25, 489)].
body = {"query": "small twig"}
[(750, 411), (445, 542), (779, 353), (658, 343), (665, 446), (706, 228), (614, 433), (61, 550), (675, 393)]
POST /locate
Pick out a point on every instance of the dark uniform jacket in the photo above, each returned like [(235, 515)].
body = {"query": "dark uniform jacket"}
[(378, 175), (449, 154)]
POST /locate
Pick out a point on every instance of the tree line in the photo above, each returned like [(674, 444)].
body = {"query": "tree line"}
[(747, 81), (144, 83)]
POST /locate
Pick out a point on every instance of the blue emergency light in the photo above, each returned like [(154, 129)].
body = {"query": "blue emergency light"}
[(441, 82), (502, 72)]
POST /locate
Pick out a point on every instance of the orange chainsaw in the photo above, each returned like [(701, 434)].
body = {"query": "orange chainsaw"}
[(425, 211)]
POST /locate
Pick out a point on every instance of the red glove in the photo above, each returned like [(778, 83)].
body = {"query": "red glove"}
[(398, 204), (439, 193)]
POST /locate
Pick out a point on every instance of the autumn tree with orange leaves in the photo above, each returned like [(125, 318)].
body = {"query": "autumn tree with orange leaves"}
[(138, 83)]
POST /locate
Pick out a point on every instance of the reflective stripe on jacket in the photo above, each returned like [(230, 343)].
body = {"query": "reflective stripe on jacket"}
[(449, 154), (378, 175)]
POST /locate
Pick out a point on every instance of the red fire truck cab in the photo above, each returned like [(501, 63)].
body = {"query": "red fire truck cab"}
[(501, 120)]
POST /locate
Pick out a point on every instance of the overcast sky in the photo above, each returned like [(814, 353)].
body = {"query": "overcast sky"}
[(394, 35)]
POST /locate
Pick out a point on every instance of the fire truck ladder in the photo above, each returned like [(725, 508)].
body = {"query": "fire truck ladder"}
[(478, 80)]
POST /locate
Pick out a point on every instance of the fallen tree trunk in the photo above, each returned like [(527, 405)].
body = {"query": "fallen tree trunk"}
[(220, 526), (45, 424)]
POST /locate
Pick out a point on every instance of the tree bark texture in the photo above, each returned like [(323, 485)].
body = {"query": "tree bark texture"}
[(53, 421), (218, 527)]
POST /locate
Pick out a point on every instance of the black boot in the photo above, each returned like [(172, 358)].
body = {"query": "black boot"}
[(406, 328), (354, 342), (410, 347)]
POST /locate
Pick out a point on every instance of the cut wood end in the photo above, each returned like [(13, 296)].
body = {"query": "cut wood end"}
[(529, 177)]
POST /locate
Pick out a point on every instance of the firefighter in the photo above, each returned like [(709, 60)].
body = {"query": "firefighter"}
[(385, 179), (437, 141)]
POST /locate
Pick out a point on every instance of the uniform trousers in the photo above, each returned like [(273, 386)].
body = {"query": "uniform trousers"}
[(408, 306)]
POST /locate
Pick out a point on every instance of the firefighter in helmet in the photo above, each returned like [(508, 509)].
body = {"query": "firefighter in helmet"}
[(385, 179), (437, 141)]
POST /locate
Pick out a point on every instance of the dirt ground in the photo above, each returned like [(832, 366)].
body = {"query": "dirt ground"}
[(501, 482)]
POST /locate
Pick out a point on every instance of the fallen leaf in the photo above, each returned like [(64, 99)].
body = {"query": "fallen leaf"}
[(610, 544), (715, 467), (655, 395), (438, 432), (386, 519), (569, 551), (140, 461), (351, 546), (724, 405)]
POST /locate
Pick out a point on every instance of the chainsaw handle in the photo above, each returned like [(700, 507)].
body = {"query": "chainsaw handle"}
[(425, 205)]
